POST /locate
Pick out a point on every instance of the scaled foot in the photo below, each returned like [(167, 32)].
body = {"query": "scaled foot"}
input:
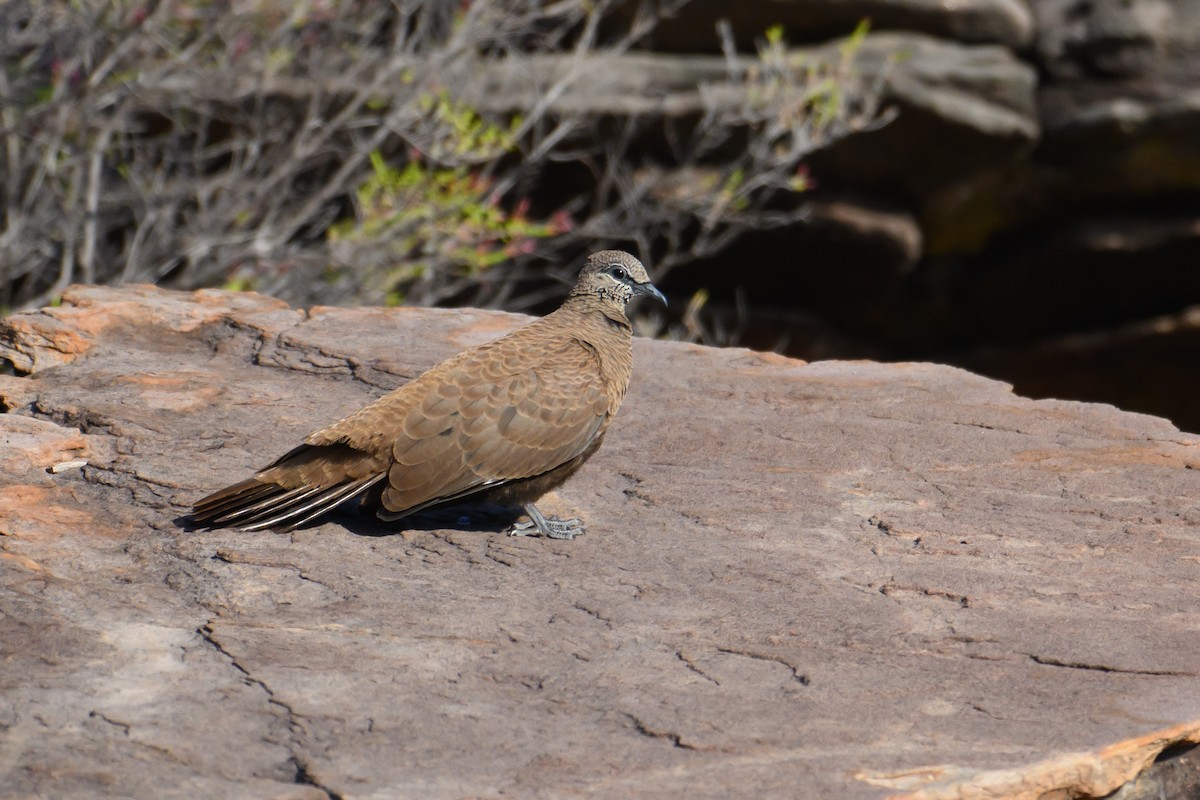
[(550, 527)]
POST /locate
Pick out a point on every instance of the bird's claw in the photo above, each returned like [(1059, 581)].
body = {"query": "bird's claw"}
[(553, 528)]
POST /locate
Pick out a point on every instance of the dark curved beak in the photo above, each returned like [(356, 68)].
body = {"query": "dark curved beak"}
[(649, 290)]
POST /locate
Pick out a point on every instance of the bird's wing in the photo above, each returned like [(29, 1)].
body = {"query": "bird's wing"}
[(512, 411)]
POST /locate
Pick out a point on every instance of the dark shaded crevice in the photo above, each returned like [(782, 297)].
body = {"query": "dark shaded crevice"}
[(229, 557), (1174, 775), (594, 614), (1179, 750), (687, 662), (981, 710), (305, 778), (498, 557), (997, 428), (633, 492), (122, 726), (303, 774), (889, 589), (206, 633), (82, 420), (797, 676), (675, 739), (1054, 662)]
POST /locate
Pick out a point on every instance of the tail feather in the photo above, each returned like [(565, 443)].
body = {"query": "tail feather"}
[(302, 509), (320, 478), (257, 505), (273, 502)]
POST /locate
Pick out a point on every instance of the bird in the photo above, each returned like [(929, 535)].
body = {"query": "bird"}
[(502, 422)]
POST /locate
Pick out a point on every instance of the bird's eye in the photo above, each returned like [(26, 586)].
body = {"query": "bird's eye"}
[(617, 271)]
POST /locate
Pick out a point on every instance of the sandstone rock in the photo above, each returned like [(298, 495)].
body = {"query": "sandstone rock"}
[(28, 443), (1120, 109), (1108, 37), (1110, 139), (840, 579), (959, 109)]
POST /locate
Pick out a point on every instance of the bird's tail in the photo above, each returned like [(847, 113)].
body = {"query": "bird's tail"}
[(254, 505)]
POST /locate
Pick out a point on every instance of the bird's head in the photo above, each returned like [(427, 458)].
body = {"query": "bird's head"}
[(616, 276)]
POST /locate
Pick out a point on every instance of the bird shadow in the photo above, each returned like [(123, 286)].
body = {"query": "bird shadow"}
[(479, 517), (474, 517)]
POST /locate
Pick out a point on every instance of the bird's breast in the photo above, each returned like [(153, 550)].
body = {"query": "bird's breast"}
[(613, 351)]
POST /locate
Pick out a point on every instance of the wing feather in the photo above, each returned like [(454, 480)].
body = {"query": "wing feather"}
[(516, 410)]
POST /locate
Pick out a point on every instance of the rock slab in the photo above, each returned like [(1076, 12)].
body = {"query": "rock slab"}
[(838, 579)]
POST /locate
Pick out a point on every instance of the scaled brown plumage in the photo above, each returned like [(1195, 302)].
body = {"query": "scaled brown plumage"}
[(506, 421)]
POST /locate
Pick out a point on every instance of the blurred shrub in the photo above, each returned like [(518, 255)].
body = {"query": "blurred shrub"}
[(362, 151)]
